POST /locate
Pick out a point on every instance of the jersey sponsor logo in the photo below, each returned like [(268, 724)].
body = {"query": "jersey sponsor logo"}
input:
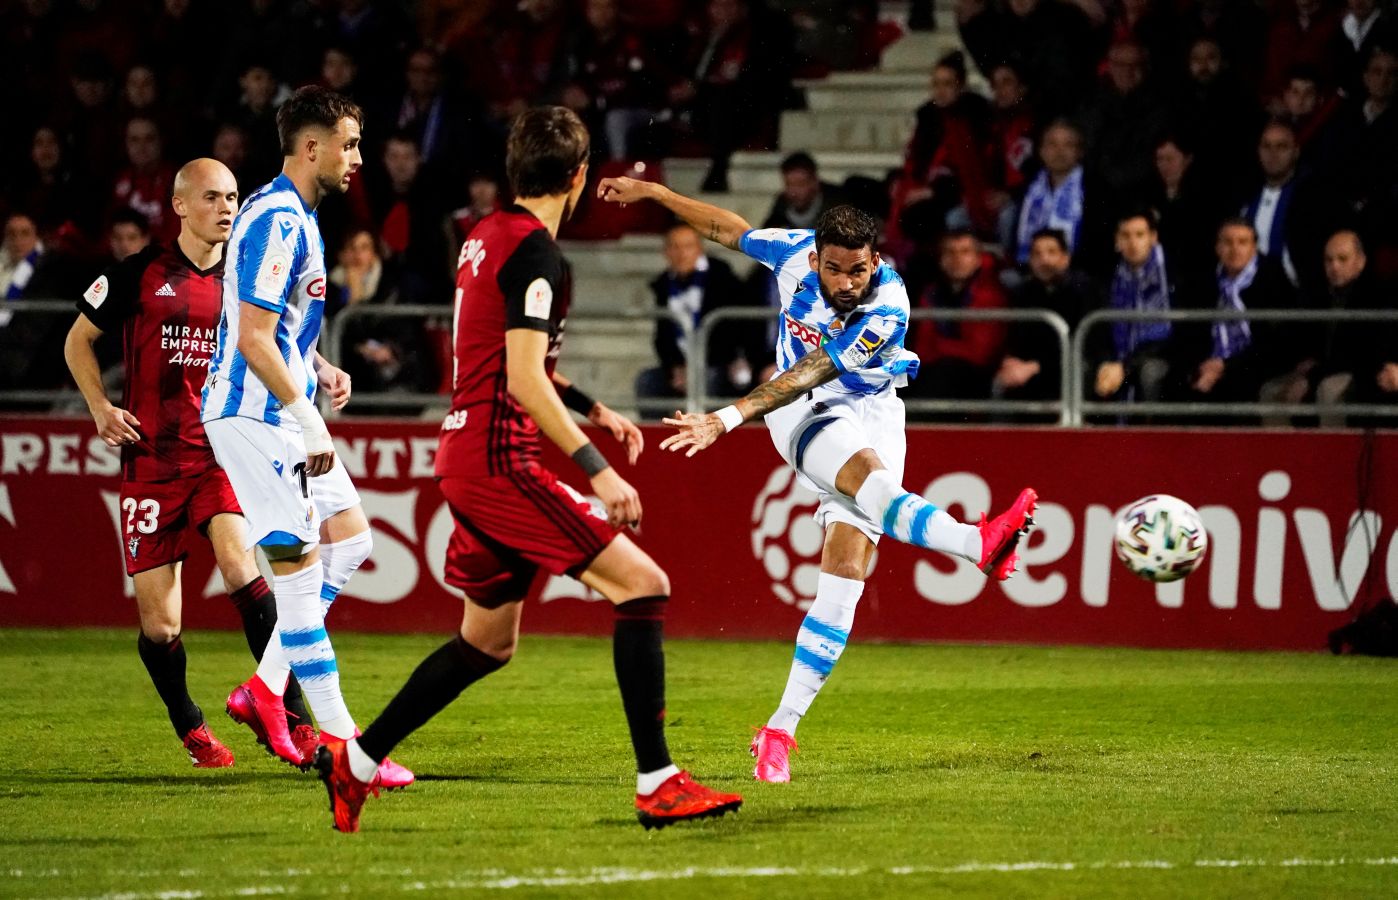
[(192, 346), (97, 294), (271, 277), (165, 290), (473, 251), (538, 299), (316, 288), (806, 334)]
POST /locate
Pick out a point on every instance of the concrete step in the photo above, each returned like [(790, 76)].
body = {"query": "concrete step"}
[(605, 357), (818, 132), (917, 51), (636, 255), (760, 172)]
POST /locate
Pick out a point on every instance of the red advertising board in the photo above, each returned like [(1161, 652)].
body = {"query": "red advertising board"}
[(1300, 524)]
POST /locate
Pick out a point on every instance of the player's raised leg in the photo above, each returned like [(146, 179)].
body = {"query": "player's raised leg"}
[(162, 652)]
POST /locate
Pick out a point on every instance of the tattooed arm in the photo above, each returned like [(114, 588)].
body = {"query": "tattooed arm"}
[(718, 225), (699, 430)]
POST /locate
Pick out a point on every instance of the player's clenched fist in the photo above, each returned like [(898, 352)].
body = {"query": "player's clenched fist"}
[(625, 190), (696, 431), (621, 500)]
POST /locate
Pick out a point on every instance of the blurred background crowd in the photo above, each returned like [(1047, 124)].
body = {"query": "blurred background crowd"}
[(1077, 155)]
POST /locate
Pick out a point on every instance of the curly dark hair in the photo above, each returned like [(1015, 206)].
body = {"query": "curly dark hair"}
[(845, 226), (313, 105)]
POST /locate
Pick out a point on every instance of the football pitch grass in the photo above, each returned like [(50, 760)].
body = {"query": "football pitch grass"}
[(924, 771)]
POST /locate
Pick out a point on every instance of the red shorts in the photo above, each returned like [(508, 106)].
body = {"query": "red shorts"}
[(157, 516), (511, 526)]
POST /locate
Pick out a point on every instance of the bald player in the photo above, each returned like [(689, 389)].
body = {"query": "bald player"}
[(165, 303)]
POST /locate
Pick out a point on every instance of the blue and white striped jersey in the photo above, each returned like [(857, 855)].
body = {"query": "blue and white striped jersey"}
[(274, 259), (866, 345)]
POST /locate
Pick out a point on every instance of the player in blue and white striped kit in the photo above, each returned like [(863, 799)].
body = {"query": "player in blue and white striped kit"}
[(835, 417), (261, 419)]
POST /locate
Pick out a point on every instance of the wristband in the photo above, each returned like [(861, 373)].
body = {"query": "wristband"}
[(590, 460), (577, 401), (730, 417)]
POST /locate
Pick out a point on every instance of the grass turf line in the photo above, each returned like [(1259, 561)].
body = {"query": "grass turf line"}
[(923, 769)]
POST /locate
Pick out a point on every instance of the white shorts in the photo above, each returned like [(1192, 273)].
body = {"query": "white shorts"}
[(818, 434), (263, 465)]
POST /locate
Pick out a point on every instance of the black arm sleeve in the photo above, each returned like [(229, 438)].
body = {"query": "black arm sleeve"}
[(532, 281), (114, 296)]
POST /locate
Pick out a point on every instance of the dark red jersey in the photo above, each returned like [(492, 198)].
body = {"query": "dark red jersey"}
[(167, 312), (510, 275)]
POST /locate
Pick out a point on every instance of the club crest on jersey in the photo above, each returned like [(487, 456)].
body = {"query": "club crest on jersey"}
[(133, 544)]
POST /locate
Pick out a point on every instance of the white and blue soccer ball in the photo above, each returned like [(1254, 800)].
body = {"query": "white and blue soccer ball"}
[(1161, 538)]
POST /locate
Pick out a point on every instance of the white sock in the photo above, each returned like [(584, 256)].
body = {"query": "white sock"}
[(307, 646), (908, 518), (274, 670), (361, 763), (819, 644), (648, 782), (340, 560)]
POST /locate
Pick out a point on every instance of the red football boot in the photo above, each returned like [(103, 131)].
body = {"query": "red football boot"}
[(1000, 536), (681, 798), (347, 793), (205, 750), (306, 739), (251, 704)]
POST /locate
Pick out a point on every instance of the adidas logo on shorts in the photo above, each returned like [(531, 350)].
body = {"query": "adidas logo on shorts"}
[(165, 290)]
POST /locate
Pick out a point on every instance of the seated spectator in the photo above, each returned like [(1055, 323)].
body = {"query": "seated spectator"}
[(1346, 358), (619, 80), (445, 128), (21, 256), (1288, 211), (1063, 198), (803, 197), (1033, 364), (1011, 158), (230, 147), (1363, 142), (90, 122), (48, 190), (30, 342), (1302, 32), (1148, 24), (1136, 366), (1215, 109), (1363, 27), (944, 165), (128, 234), (527, 64), (692, 286), (147, 182), (959, 358), (1055, 42), (256, 114), (484, 194), (1122, 122), (1230, 360), (339, 72), (1308, 108), (408, 205), (1186, 210)]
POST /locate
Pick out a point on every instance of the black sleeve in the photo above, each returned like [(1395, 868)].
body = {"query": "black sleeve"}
[(532, 280), (114, 296)]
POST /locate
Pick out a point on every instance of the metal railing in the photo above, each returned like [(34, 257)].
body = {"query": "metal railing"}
[(699, 398), (1075, 370), (43, 395)]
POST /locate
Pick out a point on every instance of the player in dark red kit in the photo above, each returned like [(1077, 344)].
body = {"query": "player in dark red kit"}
[(514, 517), (165, 303)]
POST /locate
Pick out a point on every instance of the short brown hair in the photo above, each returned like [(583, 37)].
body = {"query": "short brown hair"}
[(546, 146), (313, 105), (847, 227)]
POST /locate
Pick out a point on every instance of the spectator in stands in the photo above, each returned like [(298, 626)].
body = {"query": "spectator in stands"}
[(944, 165), (27, 340), (1308, 108), (1012, 159), (1363, 142), (48, 190), (1363, 28), (1237, 28), (1228, 361), (1033, 364), (803, 196), (528, 63), (1146, 24), (483, 192), (256, 114), (128, 234), (1136, 364), (1287, 211), (1302, 32), (445, 128), (1216, 110), (1346, 359), (91, 124), (147, 182), (408, 205), (959, 358), (380, 354), (1064, 198), (339, 72), (693, 285), (1055, 42), (140, 94), (620, 81), (1187, 212), (21, 256), (230, 147), (1122, 122), (374, 33)]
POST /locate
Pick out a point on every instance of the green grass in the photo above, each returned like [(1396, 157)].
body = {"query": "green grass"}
[(920, 767)]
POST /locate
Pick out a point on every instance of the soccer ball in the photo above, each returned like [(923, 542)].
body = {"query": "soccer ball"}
[(1161, 538)]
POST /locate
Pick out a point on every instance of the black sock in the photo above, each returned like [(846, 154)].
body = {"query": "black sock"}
[(638, 652), (438, 680), (258, 608), (166, 664)]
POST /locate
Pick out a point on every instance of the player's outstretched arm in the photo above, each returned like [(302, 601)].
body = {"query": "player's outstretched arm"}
[(116, 426), (699, 430), (719, 225), (603, 416), (529, 383), (257, 342)]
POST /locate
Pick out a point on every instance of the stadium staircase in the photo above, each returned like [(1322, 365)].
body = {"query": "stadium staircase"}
[(855, 123)]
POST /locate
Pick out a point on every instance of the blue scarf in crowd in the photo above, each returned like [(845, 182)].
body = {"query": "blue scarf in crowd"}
[(1045, 207), (1233, 337), (1148, 291)]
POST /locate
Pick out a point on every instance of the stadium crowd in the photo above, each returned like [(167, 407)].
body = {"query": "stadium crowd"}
[(1129, 154)]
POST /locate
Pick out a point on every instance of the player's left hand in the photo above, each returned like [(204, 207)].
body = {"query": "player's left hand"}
[(336, 382), (622, 428), (696, 431)]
